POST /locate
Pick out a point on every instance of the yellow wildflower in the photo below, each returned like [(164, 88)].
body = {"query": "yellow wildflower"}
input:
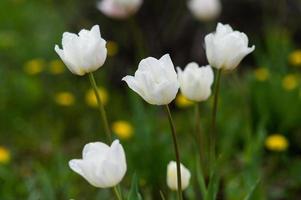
[(4, 155), (91, 98), (112, 48), (56, 67), (123, 129), (276, 142), (262, 74), (182, 101), (295, 58), (64, 98), (34, 66), (290, 82)]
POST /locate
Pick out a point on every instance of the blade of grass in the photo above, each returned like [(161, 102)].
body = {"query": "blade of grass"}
[(134, 191), (201, 178), (162, 195), (252, 189)]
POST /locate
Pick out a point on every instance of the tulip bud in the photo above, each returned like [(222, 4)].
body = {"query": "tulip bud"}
[(226, 48), (172, 177), (195, 82), (102, 166), (83, 53), (205, 10), (119, 9), (155, 80)]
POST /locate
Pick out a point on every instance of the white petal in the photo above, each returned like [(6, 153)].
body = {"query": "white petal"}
[(133, 84), (95, 150), (111, 173), (117, 152), (73, 68), (75, 166), (95, 31)]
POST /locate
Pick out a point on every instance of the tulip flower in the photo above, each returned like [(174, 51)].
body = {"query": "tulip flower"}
[(119, 9), (157, 83), (83, 53), (155, 80), (102, 166), (195, 82), (205, 10), (172, 176), (226, 48)]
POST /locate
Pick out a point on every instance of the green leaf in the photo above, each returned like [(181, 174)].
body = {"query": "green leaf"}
[(214, 179), (252, 189), (201, 178), (162, 195), (213, 186), (134, 191)]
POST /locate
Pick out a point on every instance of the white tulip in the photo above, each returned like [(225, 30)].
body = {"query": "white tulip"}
[(205, 10), (195, 82), (119, 8), (102, 166), (226, 48), (172, 178), (83, 53), (155, 80)]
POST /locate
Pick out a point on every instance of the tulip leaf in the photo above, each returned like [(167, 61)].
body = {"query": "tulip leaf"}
[(213, 186), (134, 191), (162, 195), (214, 180), (252, 189), (201, 178)]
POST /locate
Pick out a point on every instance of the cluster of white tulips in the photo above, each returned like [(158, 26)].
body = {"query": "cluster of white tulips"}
[(157, 82)]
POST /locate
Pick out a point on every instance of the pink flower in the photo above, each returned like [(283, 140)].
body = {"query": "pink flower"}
[(119, 9)]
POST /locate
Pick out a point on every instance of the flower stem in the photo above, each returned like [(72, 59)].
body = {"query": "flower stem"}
[(100, 107), (213, 135), (176, 148), (117, 193)]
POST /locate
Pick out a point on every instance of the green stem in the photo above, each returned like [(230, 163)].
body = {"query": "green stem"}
[(213, 135), (117, 193), (176, 148), (101, 107)]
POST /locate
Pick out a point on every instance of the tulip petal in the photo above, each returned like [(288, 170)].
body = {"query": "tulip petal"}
[(168, 66), (117, 152), (133, 84), (67, 61), (95, 150), (75, 166)]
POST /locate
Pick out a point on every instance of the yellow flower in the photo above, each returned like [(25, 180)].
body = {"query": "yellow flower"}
[(56, 67), (262, 74), (276, 142), (123, 129), (290, 82), (4, 155), (112, 48), (295, 58), (91, 98), (64, 98), (34, 66), (183, 102)]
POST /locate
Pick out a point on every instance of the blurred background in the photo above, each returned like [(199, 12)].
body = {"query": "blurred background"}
[(48, 114)]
